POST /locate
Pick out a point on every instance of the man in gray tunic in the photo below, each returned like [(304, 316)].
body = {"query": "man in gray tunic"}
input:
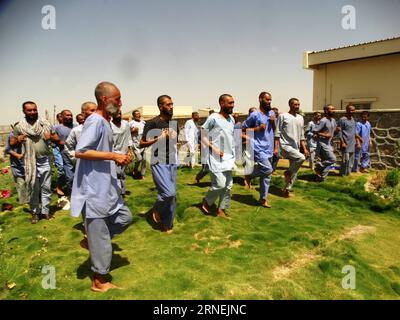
[(96, 191), (348, 136), (289, 135), (324, 132)]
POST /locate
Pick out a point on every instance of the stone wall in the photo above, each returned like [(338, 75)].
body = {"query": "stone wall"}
[(385, 153)]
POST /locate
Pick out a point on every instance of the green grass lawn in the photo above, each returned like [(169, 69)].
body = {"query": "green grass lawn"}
[(296, 250)]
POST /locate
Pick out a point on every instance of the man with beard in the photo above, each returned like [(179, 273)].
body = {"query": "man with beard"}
[(348, 137), (259, 126), (162, 134), (192, 137), (122, 145), (95, 191), (137, 126), (265, 99), (34, 136), (59, 135), (325, 132), (289, 136), (217, 137)]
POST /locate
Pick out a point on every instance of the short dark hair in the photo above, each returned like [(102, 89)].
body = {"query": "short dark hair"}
[(316, 113), (161, 98), (194, 113), (251, 109), (27, 102), (79, 115), (365, 112), (223, 96), (326, 107), (262, 94), (211, 111), (292, 99)]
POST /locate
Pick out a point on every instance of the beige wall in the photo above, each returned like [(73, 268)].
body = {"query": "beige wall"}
[(377, 77)]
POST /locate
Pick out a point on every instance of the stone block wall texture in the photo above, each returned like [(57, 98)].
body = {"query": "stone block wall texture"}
[(385, 136)]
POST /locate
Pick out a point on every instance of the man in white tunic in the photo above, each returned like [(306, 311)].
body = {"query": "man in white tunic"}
[(192, 138)]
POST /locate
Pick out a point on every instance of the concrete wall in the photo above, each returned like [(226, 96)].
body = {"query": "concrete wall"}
[(377, 78)]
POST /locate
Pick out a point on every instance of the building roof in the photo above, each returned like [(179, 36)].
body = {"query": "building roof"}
[(312, 59)]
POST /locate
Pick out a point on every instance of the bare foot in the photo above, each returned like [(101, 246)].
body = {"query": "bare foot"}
[(205, 207), (156, 217), (59, 192), (221, 213), (286, 193), (247, 182), (265, 204), (99, 284), (288, 178), (84, 243)]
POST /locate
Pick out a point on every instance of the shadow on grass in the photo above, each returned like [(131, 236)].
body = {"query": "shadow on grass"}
[(148, 216), (84, 270), (275, 190), (200, 184), (247, 199)]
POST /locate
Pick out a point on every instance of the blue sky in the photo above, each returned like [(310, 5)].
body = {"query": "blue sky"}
[(191, 50)]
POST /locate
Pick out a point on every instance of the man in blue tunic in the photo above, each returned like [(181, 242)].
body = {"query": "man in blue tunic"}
[(259, 127), (362, 155), (96, 191), (217, 137), (348, 138), (162, 134)]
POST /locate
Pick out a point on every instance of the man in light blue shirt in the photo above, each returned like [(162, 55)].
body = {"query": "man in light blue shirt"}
[(260, 128), (95, 188), (362, 154), (218, 141)]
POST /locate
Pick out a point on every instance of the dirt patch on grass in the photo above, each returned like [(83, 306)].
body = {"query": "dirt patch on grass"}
[(282, 271), (213, 243), (357, 230)]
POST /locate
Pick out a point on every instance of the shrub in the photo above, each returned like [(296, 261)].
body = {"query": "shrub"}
[(392, 178)]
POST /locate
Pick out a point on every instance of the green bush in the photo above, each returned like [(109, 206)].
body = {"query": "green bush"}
[(393, 178)]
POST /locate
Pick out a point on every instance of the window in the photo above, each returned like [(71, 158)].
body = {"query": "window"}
[(359, 103)]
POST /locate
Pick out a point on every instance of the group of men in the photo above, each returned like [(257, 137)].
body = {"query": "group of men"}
[(95, 153)]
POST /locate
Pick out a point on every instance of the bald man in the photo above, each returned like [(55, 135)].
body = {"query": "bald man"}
[(96, 191), (87, 109), (59, 135)]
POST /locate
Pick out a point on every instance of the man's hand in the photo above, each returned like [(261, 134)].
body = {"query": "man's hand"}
[(343, 145), (276, 151), (262, 127), (121, 159), (217, 152), (164, 134), (19, 156), (306, 153)]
